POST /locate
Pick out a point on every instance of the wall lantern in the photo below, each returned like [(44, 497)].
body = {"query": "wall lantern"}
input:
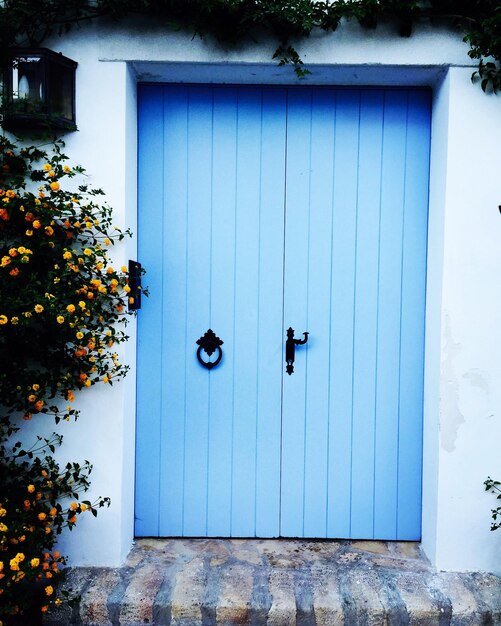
[(38, 90)]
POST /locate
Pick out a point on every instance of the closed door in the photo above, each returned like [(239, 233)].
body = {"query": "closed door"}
[(262, 209)]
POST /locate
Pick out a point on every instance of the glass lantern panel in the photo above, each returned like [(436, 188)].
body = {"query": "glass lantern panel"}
[(60, 90), (28, 83)]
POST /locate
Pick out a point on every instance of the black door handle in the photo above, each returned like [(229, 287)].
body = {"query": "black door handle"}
[(290, 349)]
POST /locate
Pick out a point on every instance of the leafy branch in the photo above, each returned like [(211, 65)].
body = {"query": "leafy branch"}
[(29, 22), (494, 486)]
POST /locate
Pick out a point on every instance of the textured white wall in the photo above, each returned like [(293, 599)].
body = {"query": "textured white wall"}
[(462, 397)]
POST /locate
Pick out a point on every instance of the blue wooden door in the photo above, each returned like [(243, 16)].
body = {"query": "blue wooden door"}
[(260, 209)]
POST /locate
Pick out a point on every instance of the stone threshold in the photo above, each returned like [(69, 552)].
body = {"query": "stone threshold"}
[(277, 582)]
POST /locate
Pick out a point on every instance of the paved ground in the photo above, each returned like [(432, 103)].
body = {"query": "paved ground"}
[(206, 582)]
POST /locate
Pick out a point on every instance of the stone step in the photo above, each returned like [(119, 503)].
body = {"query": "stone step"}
[(223, 582)]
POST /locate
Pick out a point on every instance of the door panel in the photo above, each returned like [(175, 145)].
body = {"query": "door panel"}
[(355, 251), (209, 441), (260, 209)]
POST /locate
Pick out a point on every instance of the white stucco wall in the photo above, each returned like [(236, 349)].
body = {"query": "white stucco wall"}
[(462, 397)]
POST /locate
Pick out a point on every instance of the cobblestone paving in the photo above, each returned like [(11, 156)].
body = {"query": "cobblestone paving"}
[(223, 582)]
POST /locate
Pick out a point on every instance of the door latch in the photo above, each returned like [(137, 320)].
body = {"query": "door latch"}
[(290, 349)]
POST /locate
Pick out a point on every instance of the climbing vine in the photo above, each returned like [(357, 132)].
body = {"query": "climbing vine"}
[(478, 22)]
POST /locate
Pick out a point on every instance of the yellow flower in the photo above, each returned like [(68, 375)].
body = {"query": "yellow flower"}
[(5, 261), (67, 254), (82, 304), (124, 269), (32, 398), (3, 319), (70, 308), (38, 308), (54, 186), (47, 167), (36, 224), (79, 335), (35, 562), (87, 383), (19, 557), (3, 512), (83, 507), (14, 565), (10, 193), (14, 320), (60, 319), (35, 387), (3, 528), (58, 601), (66, 169), (13, 252), (31, 488), (87, 251), (74, 506), (29, 233), (49, 231), (106, 379), (127, 289), (107, 242), (51, 174), (49, 590)]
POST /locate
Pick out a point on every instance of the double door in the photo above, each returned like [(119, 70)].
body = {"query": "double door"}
[(260, 209)]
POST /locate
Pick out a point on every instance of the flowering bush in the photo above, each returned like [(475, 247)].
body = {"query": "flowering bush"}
[(32, 514), (61, 304), (60, 299)]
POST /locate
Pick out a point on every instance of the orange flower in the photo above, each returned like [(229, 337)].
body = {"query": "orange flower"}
[(39, 405), (14, 271), (54, 185)]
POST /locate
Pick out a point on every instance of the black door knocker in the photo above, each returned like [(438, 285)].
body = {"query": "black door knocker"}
[(209, 343), (290, 349)]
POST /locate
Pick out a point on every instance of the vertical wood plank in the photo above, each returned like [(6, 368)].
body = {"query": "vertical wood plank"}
[(173, 348), (270, 310), (149, 364), (319, 282), (366, 290), (222, 303), (296, 284), (389, 303), (342, 296), (199, 181), (413, 316)]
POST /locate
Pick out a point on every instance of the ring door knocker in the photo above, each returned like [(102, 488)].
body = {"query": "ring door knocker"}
[(290, 349), (209, 343)]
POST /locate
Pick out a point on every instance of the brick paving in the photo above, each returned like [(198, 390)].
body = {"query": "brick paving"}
[(268, 582)]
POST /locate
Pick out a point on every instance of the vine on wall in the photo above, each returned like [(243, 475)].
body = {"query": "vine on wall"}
[(478, 22), (61, 306)]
